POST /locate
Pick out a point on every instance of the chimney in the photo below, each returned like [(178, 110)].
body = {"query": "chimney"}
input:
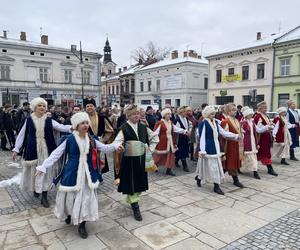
[(174, 54), (120, 70), (185, 53), (4, 33), (199, 57), (258, 36), (44, 39), (192, 53), (124, 68), (23, 36)]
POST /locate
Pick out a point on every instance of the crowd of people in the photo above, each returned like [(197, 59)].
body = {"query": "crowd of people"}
[(69, 148)]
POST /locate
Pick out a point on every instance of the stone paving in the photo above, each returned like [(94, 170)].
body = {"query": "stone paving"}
[(176, 215)]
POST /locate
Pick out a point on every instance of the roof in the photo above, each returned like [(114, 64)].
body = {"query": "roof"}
[(131, 70), (169, 62), (294, 34), (31, 44)]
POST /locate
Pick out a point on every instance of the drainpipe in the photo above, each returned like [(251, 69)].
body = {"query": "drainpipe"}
[(273, 70), (99, 78)]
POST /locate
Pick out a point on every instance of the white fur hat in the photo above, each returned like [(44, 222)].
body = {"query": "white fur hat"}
[(247, 111), (281, 109), (36, 101), (207, 111), (165, 111), (79, 118)]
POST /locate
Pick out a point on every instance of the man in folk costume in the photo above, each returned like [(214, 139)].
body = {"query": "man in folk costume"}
[(192, 138), (183, 139), (76, 199), (261, 120), (250, 130), (293, 118), (164, 154), (281, 135), (131, 177), (233, 149), (35, 142), (209, 166)]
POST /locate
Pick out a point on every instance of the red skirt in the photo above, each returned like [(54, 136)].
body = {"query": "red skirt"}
[(164, 160)]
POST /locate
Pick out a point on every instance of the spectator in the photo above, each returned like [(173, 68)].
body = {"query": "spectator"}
[(150, 117), (22, 114)]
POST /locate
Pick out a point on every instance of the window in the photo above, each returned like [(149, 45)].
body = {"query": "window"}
[(42, 54), (141, 86), (109, 92), (245, 73), (261, 71), (117, 90), (132, 86), (86, 77), (221, 100), (145, 102), (231, 71), (283, 99), (44, 74), (177, 102), (285, 67), (205, 83), (68, 75), (127, 86), (247, 100), (32, 53), (158, 85), (68, 57), (4, 50), (168, 101), (219, 75), (109, 71), (113, 89), (4, 72), (149, 85)]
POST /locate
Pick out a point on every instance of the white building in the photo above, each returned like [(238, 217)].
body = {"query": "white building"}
[(30, 69), (177, 81), (234, 72)]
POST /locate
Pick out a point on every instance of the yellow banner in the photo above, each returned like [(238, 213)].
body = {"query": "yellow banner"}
[(232, 78)]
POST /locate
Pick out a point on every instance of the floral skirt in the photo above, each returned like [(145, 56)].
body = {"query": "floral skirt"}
[(249, 162)]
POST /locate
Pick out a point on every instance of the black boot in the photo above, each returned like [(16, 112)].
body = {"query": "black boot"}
[(217, 189), (44, 200), (170, 172), (198, 181), (176, 163), (271, 170), (256, 175), (236, 182), (239, 171), (292, 155), (185, 166), (283, 162), (68, 220), (136, 211), (82, 231), (35, 194)]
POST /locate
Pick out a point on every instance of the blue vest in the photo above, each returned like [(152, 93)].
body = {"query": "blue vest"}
[(68, 177), (210, 146), (30, 142), (293, 131)]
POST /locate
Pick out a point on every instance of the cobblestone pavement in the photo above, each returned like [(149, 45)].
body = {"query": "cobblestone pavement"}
[(176, 214)]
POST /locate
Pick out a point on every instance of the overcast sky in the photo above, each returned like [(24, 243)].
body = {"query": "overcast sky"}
[(208, 24)]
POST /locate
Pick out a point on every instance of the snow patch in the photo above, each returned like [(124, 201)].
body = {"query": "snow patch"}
[(14, 180)]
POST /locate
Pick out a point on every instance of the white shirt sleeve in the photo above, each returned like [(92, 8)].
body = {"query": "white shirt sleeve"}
[(20, 138), (179, 130), (153, 140), (276, 128), (227, 134), (107, 148), (119, 138), (157, 130), (54, 157), (202, 141), (260, 129), (61, 128)]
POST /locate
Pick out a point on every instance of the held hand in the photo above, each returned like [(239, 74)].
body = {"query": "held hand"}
[(14, 155), (121, 149), (117, 181), (38, 173)]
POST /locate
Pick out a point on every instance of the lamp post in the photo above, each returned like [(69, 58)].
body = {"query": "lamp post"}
[(78, 54)]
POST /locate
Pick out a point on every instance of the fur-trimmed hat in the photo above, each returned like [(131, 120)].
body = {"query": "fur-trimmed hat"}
[(89, 101), (260, 104), (181, 109), (281, 109), (36, 101), (78, 118), (130, 109), (247, 111), (207, 111), (165, 111)]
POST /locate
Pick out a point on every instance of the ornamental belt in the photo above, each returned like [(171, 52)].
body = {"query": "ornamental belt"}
[(134, 148)]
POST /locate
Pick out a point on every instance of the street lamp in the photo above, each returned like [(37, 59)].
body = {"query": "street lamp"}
[(78, 54)]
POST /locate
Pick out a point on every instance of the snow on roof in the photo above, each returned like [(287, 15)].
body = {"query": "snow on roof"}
[(290, 36), (169, 61), (110, 77), (131, 70)]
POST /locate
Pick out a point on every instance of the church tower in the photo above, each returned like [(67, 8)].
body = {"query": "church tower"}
[(108, 66), (107, 52)]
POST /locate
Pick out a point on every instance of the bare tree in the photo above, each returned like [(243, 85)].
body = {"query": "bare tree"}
[(151, 52)]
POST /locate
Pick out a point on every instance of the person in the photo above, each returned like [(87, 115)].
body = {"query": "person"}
[(22, 113), (143, 119), (209, 166), (114, 118), (261, 120), (130, 175), (250, 143), (35, 142), (183, 139), (7, 126), (293, 118), (239, 114), (75, 110), (192, 137), (281, 135), (164, 154), (150, 117), (233, 149), (76, 199)]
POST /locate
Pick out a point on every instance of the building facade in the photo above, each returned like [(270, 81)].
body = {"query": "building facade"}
[(176, 81), (287, 69), (30, 69)]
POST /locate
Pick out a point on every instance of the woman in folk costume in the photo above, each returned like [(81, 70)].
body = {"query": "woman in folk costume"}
[(293, 118), (76, 199), (131, 177), (35, 142), (233, 149), (209, 166), (262, 120), (192, 137), (164, 154), (282, 137), (183, 139), (250, 130)]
